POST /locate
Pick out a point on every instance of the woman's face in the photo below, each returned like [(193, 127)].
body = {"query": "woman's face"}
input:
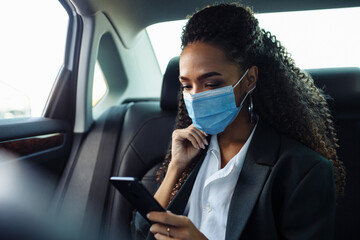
[(204, 67)]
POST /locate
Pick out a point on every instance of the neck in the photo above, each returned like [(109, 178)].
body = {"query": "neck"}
[(234, 137), (239, 130)]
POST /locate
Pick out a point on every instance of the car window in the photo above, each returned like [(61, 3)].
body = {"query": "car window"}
[(100, 86), (32, 48), (316, 39)]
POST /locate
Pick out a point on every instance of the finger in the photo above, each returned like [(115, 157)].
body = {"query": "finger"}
[(189, 134), (192, 125), (198, 137), (182, 135), (203, 132), (202, 135), (166, 230), (160, 236), (159, 228), (192, 139), (162, 229), (168, 219)]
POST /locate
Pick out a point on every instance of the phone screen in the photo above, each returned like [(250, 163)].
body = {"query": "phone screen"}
[(135, 192)]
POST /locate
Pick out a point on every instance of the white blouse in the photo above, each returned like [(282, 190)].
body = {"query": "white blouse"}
[(209, 202)]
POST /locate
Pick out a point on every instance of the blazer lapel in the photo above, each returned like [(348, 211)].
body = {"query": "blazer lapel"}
[(178, 204), (261, 156)]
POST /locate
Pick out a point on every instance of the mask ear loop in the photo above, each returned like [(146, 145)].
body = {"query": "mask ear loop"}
[(241, 78), (238, 84), (249, 92), (251, 106)]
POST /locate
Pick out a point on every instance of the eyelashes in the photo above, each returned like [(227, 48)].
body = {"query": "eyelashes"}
[(213, 85), (209, 86)]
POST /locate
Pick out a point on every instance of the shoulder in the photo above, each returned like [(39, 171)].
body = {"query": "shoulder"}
[(289, 160), (299, 166), (292, 152), (272, 148)]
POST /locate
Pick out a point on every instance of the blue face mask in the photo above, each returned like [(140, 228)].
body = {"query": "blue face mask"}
[(212, 111)]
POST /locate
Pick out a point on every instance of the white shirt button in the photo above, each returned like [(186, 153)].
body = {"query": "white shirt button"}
[(208, 208)]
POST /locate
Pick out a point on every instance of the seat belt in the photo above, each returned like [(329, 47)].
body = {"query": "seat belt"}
[(100, 185), (81, 198)]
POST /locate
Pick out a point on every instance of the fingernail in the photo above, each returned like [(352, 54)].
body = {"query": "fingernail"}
[(148, 215), (202, 146), (206, 142)]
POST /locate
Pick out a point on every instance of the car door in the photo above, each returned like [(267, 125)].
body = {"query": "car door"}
[(36, 136)]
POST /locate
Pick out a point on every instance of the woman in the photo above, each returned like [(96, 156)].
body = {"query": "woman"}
[(253, 153)]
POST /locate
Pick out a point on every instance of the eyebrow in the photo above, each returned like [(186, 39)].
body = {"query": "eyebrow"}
[(204, 76)]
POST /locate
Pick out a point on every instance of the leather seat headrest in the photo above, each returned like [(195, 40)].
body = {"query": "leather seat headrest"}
[(170, 86), (342, 84)]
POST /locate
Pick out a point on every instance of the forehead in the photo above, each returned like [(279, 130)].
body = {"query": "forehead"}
[(201, 57)]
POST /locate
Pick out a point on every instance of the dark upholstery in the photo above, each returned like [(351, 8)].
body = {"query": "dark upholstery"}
[(171, 86), (343, 85), (142, 147)]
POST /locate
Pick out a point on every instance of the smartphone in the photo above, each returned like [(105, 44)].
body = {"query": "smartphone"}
[(135, 192)]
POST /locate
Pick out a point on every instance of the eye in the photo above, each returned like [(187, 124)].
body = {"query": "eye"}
[(213, 84), (186, 87)]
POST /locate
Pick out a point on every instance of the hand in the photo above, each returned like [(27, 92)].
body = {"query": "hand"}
[(170, 226), (186, 144)]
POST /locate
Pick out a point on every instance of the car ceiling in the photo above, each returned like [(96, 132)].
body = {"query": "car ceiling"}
[(129, 17)]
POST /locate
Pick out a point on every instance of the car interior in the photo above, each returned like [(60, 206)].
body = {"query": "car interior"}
[(66, 170)]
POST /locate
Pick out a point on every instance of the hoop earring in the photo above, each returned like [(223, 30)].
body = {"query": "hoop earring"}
[(251, 109)]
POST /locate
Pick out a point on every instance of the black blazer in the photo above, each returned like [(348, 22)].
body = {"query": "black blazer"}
[(284, 191)]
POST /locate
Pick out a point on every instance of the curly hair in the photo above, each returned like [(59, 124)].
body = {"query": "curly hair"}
[(285, 96)]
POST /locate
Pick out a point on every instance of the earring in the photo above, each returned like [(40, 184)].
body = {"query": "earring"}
[(251, 109)]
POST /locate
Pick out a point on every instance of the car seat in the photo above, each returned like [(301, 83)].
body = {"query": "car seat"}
[(343, 86), (144, 141)]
